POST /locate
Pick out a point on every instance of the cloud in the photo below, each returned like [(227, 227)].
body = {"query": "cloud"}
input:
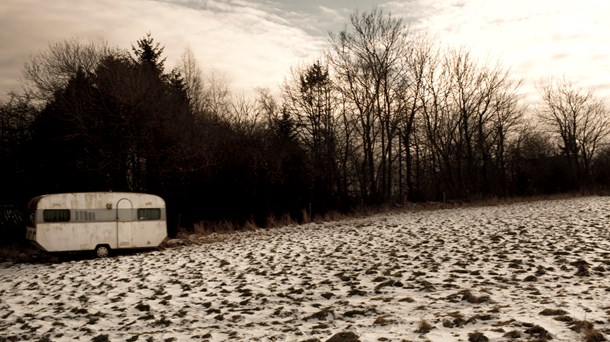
[(255, 42), (534, 39), (252, 44)]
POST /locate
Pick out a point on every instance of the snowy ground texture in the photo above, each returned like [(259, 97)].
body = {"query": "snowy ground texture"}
[(524, 272)]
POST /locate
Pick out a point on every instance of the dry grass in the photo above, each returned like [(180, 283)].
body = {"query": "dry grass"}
[(250, 225), (592, 335), (183, 234), (477, 337), (553, 312), (424, 327), (273, 221), (588, 330), (306, 216), (538, 332), (199, 228), (209, 227), (10, 251), (22, 252), (334, 216), (487, 202)]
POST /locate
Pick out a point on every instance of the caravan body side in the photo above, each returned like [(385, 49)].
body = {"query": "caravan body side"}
[(83, 221)]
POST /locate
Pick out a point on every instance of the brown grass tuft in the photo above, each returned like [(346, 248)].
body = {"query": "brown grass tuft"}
[(581, 326), (424, 327), (250, 225), (539, 332), (582, 267), (470, 298), (553, 312), (592, 335), (477, 337), (512, 334), (346, 336), (586, 328), (306, 216)]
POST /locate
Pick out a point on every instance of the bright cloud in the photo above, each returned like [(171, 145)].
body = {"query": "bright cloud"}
[(255, 42), (535, 39), (250, 44)]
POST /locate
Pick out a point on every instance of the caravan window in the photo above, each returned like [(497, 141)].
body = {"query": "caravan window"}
[(149, 214), (82, 215), (56, 215)]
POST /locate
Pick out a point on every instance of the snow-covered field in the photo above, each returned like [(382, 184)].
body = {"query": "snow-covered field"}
[(532, 271)]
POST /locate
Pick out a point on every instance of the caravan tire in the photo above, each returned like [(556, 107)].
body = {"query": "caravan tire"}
[(102, 251)]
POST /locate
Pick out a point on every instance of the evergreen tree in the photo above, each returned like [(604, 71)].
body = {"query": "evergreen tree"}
[(149, 54)]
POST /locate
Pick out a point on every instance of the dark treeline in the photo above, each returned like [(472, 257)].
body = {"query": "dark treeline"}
[(385, 117)]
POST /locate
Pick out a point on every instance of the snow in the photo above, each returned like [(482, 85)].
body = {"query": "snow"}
[(491, 270)]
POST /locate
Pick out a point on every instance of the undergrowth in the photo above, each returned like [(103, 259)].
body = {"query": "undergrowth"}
[(275, 221)]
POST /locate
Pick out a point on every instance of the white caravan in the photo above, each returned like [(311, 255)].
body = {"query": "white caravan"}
[(98, 221)]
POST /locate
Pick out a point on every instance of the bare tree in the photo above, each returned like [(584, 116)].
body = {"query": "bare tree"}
[(244, 114), (440, 127), (217, 98), (421, 60), (193, 80), (309, 96), (50, 71), (368, 62), (311, 99), (507, 117), (578, 118), (469, 113), (208, 91)]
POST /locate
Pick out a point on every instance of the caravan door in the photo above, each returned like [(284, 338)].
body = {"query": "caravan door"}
[(125, 218)]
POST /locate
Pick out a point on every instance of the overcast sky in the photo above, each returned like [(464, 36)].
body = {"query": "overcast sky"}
[(255, 42)]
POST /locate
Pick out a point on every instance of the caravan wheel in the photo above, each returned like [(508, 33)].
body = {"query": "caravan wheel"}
[(102, 251)]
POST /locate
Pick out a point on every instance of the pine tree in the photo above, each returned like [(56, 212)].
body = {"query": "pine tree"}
[(148, 53)]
